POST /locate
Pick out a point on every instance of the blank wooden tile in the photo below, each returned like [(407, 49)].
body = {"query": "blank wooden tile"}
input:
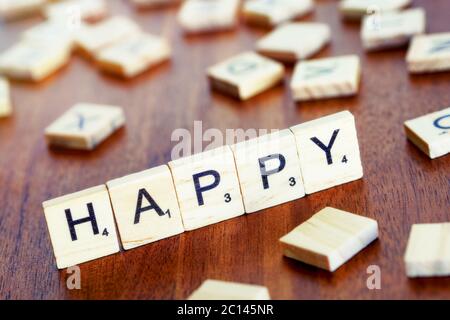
[(245, 75), (54, 30), (429, 53), (329, 238), (14, 9), (356, 9), (225, 290), (84, 126), (269, 170), (133, 55), (33, 60), (431, 133), (273, 12), (283, 43), (208, 15), (87, 10), (326, 78), (145, 206), (392, 29), (328, 151), (93, 38), (81, 226), (152, 3), (207, 187), (5, 98), (428, 250)]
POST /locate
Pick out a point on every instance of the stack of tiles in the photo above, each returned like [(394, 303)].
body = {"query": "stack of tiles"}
[(224, 290), (269, 13), (280, 44), (392, 29), (202, 189), (5, 98), (208, 15), (326, 78), (429, 53), (84, 126), (329, 238), (431, 133)]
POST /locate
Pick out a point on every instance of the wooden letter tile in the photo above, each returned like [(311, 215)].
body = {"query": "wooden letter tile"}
[(356, 9), (392, 29), (5, 98), (326, 78), (14, 9), (93, 38), (294, 41), (225, 290), (81, 226), (429, 53), (84, 126), (208, 15), (431, 133), (245, 75), (133, 55), (329, 238), (207, 187), (269, 170), (145, 206), (428, 250), (87, 10), (269, 13), (328, 151), (33, 60)]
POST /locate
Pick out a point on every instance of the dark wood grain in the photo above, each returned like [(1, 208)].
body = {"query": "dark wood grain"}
[(401, 185)]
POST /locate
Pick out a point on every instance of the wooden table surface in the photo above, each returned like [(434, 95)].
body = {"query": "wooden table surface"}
[(401, 185)]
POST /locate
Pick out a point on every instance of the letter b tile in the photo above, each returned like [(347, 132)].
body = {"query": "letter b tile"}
[(81, 226), (328, 151), (207, 187)]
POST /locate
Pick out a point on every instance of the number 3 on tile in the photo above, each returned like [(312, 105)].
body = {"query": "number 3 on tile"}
[(227, 197)]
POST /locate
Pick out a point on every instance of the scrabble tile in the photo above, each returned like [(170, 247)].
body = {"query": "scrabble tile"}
[(133, 55), (281, 43), (269, 170), (356, 9), (428, 250), (33, 60), (208, 15), (14, 9), (225, 290), (55, 30), (87, 10), (429, 53), (93, 38), (5, 98), (81, 226), (245, 75), (328, 151), (273, 12), (392, 29), (152, 3), (329, 238), (326, 78), (207, 187), (431, 133), (84, 126), (145, 206)]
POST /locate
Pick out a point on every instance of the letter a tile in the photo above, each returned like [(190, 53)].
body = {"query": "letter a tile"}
[(328, 151), (145, 206), (81, 226), (207, 187), (269, 170), (429, 53), (431, 133)]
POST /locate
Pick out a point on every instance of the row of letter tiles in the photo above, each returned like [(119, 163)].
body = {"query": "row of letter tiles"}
[(204, 188)]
